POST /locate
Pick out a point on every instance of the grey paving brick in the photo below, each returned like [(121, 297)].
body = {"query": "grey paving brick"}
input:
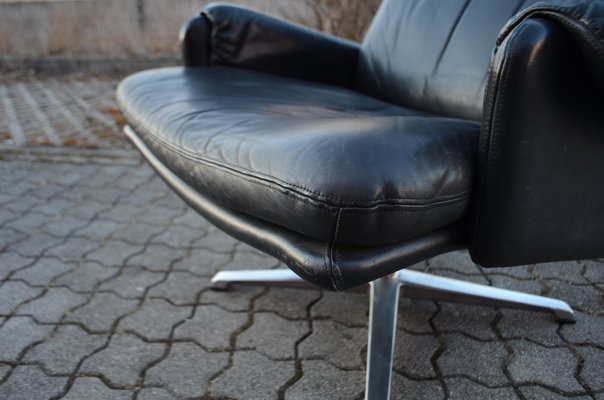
[(28, 382), (180, 288), (102, 311), (594, 271), (253, 377), (155, 319), (177, 236), (458, 261), (202, 262), (137, 233), (520, 272), (14, 294), (538, 327), (250, 260), (413, 354), (186, 370), (74, 249), (90, 209), (193, 220), (10, 262), (17, 334), (567, 271), (155, 393), (114, 252), (217, 241), (273, 336), (347, 308), (414, 315), (465, 389), (482, 361), (43, 271), (86, 277), (591, 371), (531, 363), (404, 389), (10, 235), (54, 207), (324, 381), (587, 330), (28, 223), (583, 298), (4, 370), (61, 353), (52, 305), (340, 345), (524, 286), (63, 226), (157, 258), (289, 303), (471, 320), (98, 229), (92, 388), (541, 393), (34, 245), (120, 212), (122, 362), (132, 282), (236, 299), (211, 327), (159, 216)]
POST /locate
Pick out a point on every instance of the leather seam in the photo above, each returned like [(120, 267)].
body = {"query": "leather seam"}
[(435, 201)]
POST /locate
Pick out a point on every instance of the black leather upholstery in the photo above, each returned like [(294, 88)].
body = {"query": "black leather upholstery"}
[(326, 162), (270, 137)]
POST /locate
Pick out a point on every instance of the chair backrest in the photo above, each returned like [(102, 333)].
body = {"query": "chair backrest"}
[(433, 55)]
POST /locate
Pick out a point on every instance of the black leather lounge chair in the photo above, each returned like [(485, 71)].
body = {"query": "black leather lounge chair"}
[(473, 124)]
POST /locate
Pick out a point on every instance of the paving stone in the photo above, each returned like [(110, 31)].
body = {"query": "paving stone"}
[(238, 298), (52, 305), (413, 355), (43, 271), (593, 362), (541, 393), (180, 288), (582, 298), (154, 393), (137, 233), (289, 303), (10, 262), (177, 236), (157, 258), (102, 311), (457, 261), (348, 308), (92, 388), (524, 286), (54, 207), (155, 319), (414, 315), (123, 360), (594, 271), (405, 389), (531, 363), (253, 377), (90, 209), (10, 235), (18, 333), (15, 293), (324, 381), (471, 320), (186, 370), (61, 353), (86, 277), (63, 226), (273, 336), (34, 245), (28, 223), (217, 241), (465, 389), (120, 212), (98, 229), (340, 345), (567, 271), (482, 361), (132, 282), (157, 215), (74, 249), (250, 261), (192, 220), (202, 262), (113, 252), (4, 370), (522, 272), (211, 327), (537, 327), (587, 330), (28, 382)]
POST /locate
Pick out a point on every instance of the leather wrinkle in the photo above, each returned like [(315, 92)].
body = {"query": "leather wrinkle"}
[(449, 36)]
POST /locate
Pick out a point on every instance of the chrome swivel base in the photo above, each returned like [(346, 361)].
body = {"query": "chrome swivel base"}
[(384, 305)]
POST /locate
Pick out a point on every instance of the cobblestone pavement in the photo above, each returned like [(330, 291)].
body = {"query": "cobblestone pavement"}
[(104, 291)]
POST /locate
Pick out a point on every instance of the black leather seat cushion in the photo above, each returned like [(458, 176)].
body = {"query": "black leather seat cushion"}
[(323, 161)]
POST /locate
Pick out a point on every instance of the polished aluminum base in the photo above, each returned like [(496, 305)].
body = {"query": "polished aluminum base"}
[(384, 305)]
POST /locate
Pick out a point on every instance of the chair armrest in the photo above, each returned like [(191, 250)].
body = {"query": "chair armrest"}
[(540, 191), (235, 36)]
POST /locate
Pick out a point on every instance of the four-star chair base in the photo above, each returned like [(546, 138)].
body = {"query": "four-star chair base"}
[(384, 293)]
